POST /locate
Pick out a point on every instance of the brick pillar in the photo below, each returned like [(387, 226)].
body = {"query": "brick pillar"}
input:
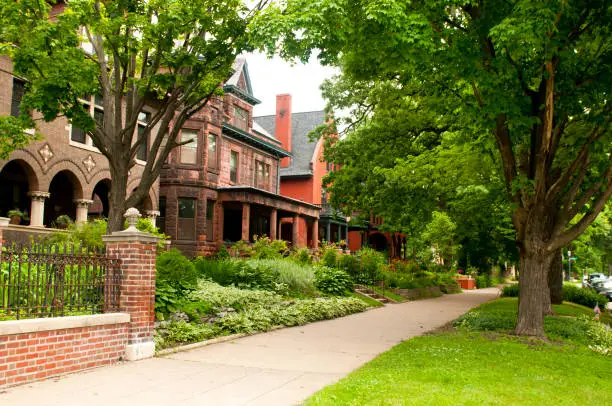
[(273, 224), (137, 251), (295, 229), (315, 234), (37, 207), (246, 220)]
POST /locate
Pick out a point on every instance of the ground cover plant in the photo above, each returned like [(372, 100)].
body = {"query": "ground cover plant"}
[(467, 365)]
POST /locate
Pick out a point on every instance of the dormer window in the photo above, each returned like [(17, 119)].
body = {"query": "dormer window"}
[(241, 118)]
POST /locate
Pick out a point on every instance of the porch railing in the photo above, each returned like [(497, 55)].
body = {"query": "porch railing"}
[(58, 280)]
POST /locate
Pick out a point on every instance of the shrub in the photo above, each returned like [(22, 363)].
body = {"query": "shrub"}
[(332, 281), (264, 248), (223, 253), (167, 299), (303, 256), (511, 290), (230, 296), (243, 274), (483, 281), (299, 278), (330, 258), (401, 266), (371, 262), (585, 297), (350, 265), (178, 333), (599, 335), (176, 270)]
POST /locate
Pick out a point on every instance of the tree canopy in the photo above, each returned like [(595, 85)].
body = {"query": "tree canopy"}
[(169, 56), (531, 77)]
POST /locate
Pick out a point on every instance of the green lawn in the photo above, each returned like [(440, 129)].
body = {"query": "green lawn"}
[(368, 300), (467, 367)]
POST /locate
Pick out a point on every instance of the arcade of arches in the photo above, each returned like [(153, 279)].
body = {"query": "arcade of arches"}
[(42, 203)]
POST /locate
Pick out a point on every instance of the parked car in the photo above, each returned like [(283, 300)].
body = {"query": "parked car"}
[(603, 287), (592, 278)]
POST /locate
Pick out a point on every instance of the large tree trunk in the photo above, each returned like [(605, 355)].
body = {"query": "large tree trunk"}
[(534, 296), (117, 200), (555, 279)]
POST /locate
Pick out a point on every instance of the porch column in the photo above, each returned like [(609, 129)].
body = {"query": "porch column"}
[(220, 226), (37, 207), (82, 207), (346, 235), (315, 234), (339, 227), (246, 219), (295, 230), (328, 232), (152, 216), (273, 224)]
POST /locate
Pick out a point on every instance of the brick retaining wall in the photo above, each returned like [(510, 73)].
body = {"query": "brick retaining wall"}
[(35, 349)]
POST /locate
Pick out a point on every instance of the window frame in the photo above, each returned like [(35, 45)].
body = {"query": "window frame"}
[(182, 148), (140, 123), (235, 169), (92, 107), (187, 225), (236, 112), (265, 182), (215, 154)]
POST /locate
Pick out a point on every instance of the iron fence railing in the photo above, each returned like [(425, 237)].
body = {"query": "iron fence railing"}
[(58, 280)]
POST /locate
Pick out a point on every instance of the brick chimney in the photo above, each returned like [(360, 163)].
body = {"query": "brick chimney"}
[(283, 124)]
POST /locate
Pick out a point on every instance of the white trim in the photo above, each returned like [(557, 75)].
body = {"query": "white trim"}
[(12, 327), (84, 146)]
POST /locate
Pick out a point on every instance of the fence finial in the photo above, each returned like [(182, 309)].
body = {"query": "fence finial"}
[(132, 215)]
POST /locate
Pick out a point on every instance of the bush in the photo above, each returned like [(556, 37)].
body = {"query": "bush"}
[(299, 278), (585, 297), (242, 274), (330, 258), (332, 281), (401, 266), (230, 296), (511, 290), (350, 265), (176, 270), (223, 253), (483, 281), (178, 333), (264, 248), (303, 256)]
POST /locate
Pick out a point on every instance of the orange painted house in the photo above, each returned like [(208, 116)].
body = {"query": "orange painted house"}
[(302, 173)]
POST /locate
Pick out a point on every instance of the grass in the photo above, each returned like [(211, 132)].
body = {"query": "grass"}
[(387, 293), (298, 277), (368, 300), (469, 367)]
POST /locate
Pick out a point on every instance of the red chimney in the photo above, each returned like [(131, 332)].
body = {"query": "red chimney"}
[(283, 124)]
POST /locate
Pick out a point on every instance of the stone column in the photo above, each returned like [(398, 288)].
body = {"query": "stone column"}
[(315, 234), (152, 216), (220, 220), (295, 230), (82, 208), (246, 221), (328, 232), (137, 251), (273, 224), (37, 207)]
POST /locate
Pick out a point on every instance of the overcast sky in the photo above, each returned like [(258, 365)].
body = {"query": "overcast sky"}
[(270, 77)]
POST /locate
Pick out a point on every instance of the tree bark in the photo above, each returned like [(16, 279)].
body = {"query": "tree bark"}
[(117, 200), (534, 294), (555, 279)]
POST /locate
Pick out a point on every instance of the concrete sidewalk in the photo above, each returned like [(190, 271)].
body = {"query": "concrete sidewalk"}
[(282, 367)]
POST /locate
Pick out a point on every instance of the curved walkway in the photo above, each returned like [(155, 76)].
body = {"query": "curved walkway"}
[(282, 367)]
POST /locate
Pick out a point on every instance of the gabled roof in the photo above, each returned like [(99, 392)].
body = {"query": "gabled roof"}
[(234, 85), (302, 148)]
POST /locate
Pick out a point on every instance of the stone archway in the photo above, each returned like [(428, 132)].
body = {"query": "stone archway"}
[(99, 207), (64, 189), (17, 179)]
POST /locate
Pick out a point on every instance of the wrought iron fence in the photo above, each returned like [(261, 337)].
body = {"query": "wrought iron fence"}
[(58, 280)]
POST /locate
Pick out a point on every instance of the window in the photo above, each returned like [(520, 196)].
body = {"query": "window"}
[(18, 93), (143, 149), (234, 166), (212, 151), (210, 210), (161, 220), (262, 175), (241, 118), (189, 151), (94, 106), (186, 218)]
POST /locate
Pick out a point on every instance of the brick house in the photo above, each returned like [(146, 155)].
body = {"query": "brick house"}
[(224, 186), (302, 173), (61, 174)]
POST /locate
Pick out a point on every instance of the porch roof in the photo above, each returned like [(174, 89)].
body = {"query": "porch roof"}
[(249, 194)]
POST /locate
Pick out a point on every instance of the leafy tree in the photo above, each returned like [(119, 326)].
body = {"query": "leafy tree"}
[(440, 233), (530, 77), (167, 55)]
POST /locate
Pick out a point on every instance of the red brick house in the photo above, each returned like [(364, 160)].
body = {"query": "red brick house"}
[(224, 186), (301, 174)]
